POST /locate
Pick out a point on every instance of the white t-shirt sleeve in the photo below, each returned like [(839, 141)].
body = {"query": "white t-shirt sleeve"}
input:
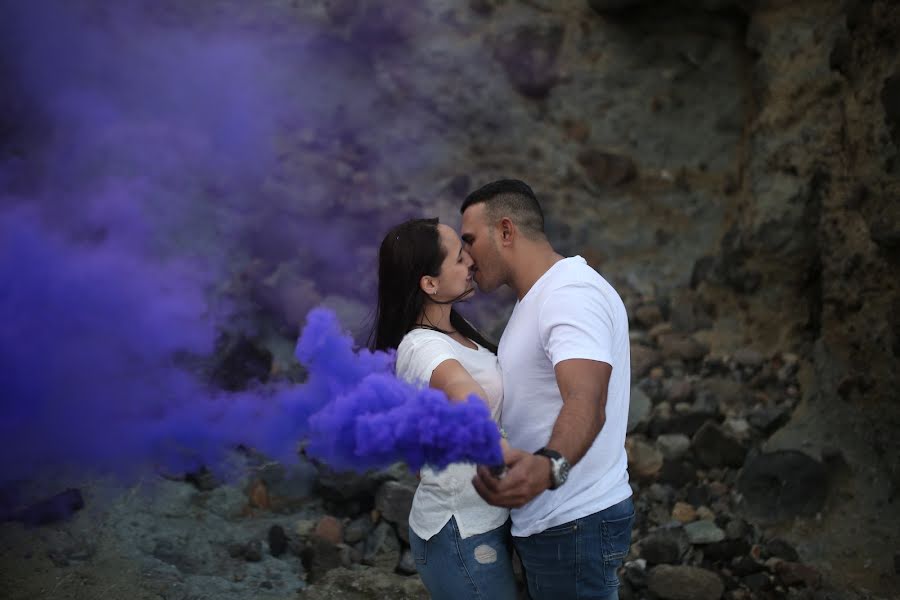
[(576, 322), (418, 358)]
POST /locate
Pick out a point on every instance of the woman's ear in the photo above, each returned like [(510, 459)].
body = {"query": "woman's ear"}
[(428, 285)]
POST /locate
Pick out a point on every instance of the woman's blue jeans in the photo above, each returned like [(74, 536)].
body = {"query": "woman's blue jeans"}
[(453, 568), (579, 559)]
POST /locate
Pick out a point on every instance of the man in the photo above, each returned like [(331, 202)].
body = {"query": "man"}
[(565, 360)]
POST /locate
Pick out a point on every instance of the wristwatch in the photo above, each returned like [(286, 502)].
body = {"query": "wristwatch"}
[(559, 467)]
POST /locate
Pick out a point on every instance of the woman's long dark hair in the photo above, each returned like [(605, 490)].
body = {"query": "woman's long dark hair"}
[(410, 251)]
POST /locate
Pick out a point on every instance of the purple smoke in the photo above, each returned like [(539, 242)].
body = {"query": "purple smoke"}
[(369, 418), (89, 342), (141, 177)]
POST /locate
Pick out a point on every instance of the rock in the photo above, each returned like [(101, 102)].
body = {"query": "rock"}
[(683, 347), (305, 527), (278, 540), (349, 555), (329, 529), (358, 529), (648, 315), (890, 100), (747, 357), (202, 479), (684, 583), (382, 548), (725, 550), (638, 408), (363, 583), (253, 551), (745, 565), (394, 501), (783, 485), (607, 169), (684, 423), (739, 428), (636, 572), (705, 514), (686, 314), (684, 512), (407, 564), (644, 461), (737, 529), (781, 549), (643, 358), (769, 419), (347, 486), (665, 545), (51, 510), (757, 582), (258, 495), (677, 472), (714, 447), (659, 493), (236, 550), (673, 446), (678, 390), (797, 574), (703, 532), (528, 55), (319, 557)]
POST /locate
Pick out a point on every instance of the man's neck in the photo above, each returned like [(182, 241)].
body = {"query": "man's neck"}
[(531, 266)]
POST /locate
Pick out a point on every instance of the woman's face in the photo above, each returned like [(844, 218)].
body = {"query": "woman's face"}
[(456, 270)]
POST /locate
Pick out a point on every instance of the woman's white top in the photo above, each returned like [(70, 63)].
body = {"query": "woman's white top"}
[(450, 493)]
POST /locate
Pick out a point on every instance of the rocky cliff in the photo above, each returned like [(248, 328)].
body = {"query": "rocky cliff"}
[(731, 166)]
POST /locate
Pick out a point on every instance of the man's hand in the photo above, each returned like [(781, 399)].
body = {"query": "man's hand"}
[(527, 475)]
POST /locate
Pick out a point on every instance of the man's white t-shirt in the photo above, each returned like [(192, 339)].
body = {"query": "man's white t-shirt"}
[(449, 493), (570, 312)]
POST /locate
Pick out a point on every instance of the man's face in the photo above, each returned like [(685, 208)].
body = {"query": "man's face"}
[(479, 240)]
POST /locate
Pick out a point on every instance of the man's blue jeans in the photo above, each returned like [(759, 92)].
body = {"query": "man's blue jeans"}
[(478, 567), (579, 559)]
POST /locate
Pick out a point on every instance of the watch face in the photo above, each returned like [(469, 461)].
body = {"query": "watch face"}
[(563, 472), (560, 472)]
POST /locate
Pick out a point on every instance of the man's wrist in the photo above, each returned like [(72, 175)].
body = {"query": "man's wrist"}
[(559, 467)]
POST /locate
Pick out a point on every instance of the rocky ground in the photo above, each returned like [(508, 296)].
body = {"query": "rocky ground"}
[(731, 166), (711, 503)]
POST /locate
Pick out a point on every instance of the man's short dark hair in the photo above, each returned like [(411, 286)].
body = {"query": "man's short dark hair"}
[(510, 198)]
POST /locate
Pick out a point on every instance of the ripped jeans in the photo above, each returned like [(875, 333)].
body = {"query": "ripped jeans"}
[(453, 568)]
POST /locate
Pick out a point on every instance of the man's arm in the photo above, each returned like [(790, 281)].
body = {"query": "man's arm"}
[(583, 385)]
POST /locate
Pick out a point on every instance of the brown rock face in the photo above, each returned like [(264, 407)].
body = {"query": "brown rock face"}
[(529, 54)]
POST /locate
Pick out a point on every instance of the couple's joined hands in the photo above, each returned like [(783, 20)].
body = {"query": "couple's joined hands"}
[(526, 476)]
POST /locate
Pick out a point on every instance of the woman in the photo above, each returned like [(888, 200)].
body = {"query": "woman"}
[(460, 543)]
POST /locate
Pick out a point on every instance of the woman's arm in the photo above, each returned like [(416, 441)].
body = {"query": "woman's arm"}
[(452, 378)]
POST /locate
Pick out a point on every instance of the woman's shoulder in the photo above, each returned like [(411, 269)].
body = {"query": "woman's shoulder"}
[(417, 339), (418, 335), (420, 351)]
